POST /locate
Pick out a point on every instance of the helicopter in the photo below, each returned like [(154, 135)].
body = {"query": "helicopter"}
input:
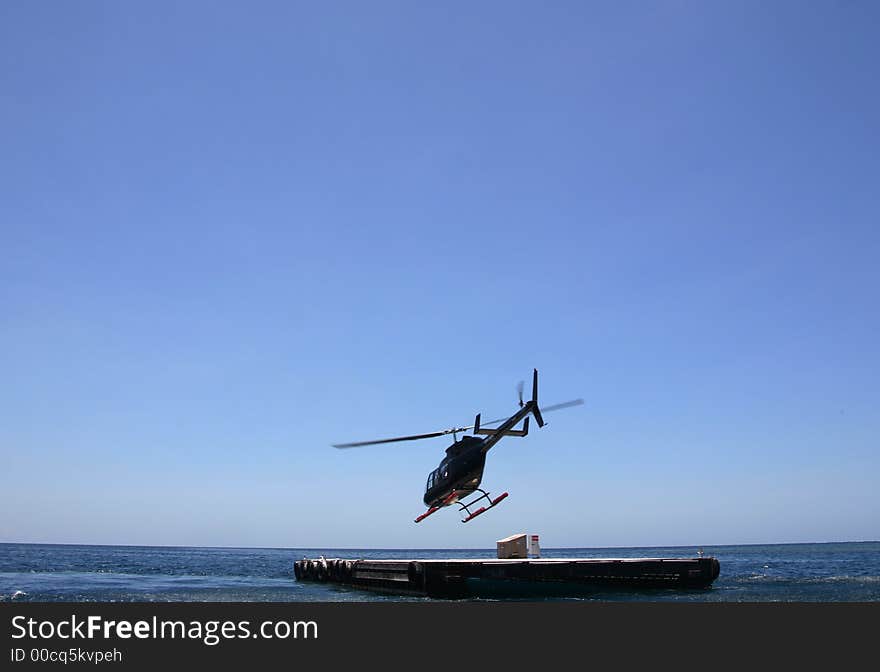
[(460, 473)]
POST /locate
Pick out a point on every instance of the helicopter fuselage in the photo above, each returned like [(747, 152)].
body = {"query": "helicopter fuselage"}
[(459, 473)]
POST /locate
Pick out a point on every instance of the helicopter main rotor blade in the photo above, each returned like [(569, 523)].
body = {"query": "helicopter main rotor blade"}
[(412, 437), (431, 435), (564, 404), (546, 409)]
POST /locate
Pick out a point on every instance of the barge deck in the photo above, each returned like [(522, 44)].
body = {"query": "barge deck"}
[(462, 578)]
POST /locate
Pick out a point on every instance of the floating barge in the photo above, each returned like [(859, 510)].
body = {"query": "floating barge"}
[(487, 577)]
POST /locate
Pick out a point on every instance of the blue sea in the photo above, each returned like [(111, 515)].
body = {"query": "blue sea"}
[(826, 572)]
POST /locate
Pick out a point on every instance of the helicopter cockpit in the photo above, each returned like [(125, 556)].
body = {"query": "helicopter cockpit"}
[(435, 476)]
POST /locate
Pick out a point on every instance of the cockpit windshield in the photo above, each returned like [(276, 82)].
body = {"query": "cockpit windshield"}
[(433, 477)]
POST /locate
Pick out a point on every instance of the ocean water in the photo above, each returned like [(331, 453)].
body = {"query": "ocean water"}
[(827, 572)]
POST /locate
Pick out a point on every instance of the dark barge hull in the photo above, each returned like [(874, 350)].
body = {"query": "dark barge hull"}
[(491, 577)]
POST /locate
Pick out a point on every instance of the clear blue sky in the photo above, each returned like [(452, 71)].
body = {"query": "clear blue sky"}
[(232, 234)]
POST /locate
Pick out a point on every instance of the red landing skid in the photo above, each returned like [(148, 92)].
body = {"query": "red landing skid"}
[(465, 507), (427, 513), (451, 497), (493, 503)]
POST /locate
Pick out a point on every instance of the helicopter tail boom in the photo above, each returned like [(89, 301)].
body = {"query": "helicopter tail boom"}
[(510, 432), (507, 427)]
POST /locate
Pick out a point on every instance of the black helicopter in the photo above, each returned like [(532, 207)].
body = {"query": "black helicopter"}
[(459, 474)]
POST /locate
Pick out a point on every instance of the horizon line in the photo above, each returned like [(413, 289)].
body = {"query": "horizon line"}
[(425, 548)]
